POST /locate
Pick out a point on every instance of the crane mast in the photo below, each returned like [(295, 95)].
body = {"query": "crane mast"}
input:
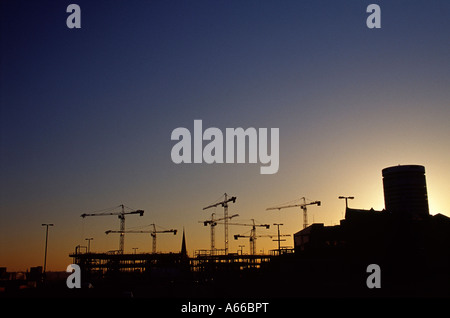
[(213, 222), (122, 228), (153, 234)]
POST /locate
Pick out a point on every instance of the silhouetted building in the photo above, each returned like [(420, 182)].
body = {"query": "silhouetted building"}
[(35, 273), (410, 245), (362, 230), (405, 191), (317, 237), (404, 220)]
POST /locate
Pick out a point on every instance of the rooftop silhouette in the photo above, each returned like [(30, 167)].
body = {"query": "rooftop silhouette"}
[(409, 245)]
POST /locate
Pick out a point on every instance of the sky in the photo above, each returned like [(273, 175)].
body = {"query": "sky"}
[(86, 115)]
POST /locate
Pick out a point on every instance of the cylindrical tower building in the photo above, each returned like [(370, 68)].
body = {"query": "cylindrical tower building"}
[(405, 191)]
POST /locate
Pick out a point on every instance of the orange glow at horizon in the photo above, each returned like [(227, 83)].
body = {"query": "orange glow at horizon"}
[(348, 103)]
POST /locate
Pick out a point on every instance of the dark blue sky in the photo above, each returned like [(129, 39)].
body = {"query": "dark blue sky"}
[(86, 114)]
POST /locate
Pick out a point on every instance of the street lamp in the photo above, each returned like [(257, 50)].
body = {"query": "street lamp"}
[(46, 240), (346, 198), (346, 201)]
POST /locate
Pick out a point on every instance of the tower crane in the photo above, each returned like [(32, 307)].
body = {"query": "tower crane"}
[(302, 206), (253, 237), (224, 204), (213, 223), (252, 232), (121, 215), (152, 233)]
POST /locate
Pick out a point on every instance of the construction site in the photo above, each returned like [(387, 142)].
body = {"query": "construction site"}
[(410, 245)]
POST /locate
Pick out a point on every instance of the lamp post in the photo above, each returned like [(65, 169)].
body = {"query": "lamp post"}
[(46, 241), (346, 198)]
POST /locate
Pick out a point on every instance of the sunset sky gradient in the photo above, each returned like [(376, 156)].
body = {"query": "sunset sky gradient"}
[(86, 115)]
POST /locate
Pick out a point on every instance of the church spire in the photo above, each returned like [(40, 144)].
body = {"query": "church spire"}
[(183, 245)]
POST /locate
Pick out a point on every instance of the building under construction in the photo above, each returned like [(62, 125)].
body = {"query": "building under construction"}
[(411, 247)]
